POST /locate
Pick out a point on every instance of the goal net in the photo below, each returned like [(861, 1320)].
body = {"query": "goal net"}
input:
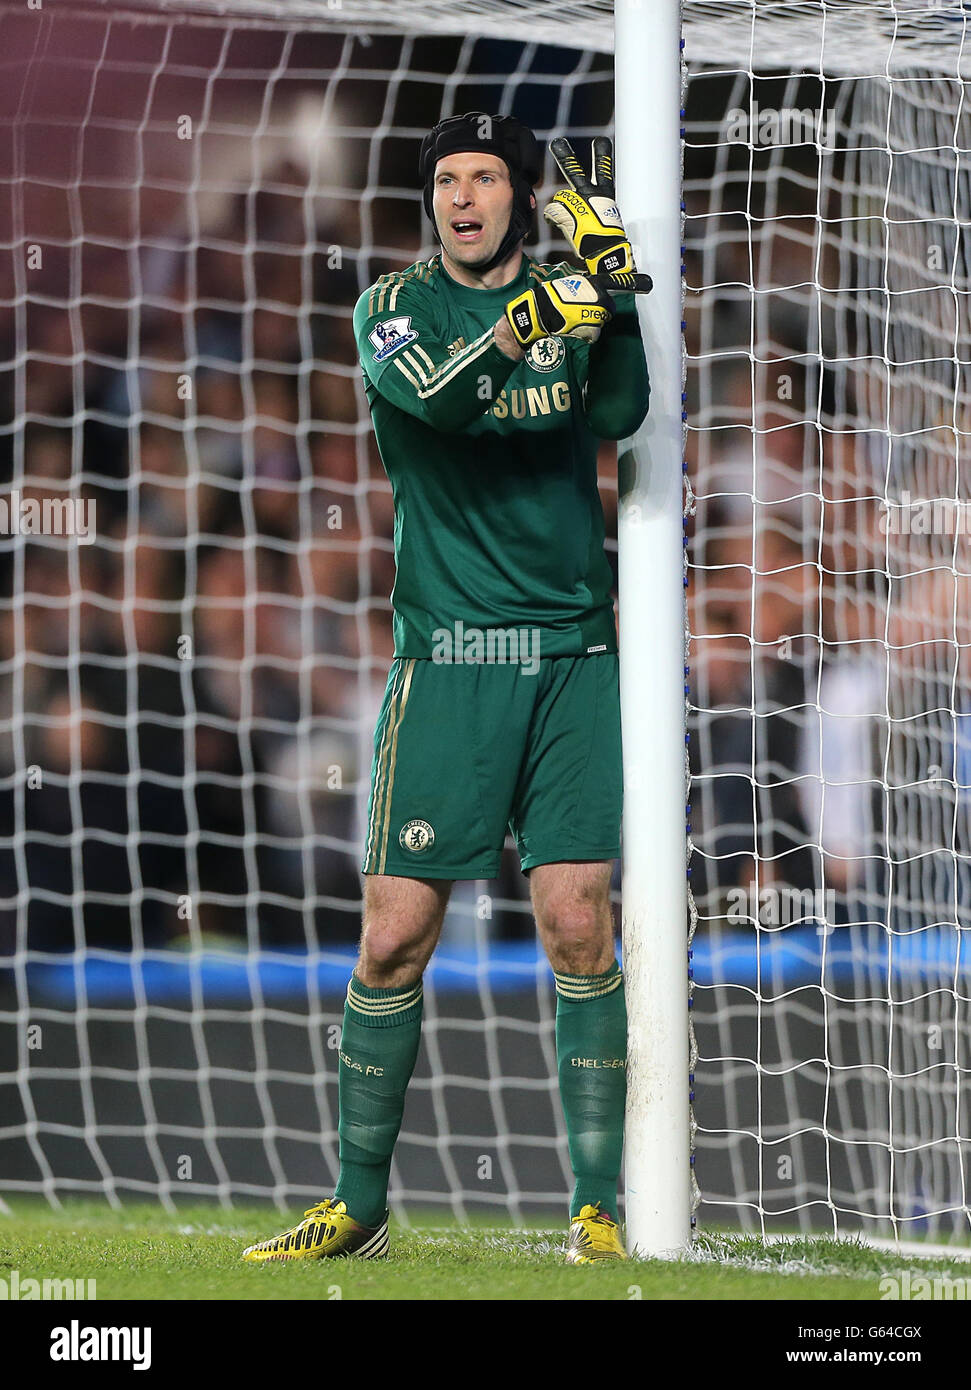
[(195, 195), (829, 345)]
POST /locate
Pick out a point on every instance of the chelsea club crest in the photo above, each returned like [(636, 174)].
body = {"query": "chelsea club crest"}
[(546, 354), (416, 836)]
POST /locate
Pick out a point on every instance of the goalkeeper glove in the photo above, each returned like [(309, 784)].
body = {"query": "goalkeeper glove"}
[(587, 213), (574, 306)]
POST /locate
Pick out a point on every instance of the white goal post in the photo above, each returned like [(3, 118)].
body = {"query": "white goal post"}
[(198, 190), (653, 647)]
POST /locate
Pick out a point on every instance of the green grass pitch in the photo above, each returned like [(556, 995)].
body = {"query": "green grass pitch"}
[(145, 1253)]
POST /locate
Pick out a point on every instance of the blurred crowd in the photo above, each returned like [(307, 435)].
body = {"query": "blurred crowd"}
[(196, 687), (197, 690), (187, 705), (831, 680)]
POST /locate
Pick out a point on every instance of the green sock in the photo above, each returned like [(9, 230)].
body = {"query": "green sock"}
[(591, 1054), (379, 1045)]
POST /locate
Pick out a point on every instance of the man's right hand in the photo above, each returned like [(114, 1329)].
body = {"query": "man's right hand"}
[(506, 340), (573, 306)]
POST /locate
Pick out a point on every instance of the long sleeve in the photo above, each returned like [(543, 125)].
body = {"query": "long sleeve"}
[(408, 362), (618, 389)]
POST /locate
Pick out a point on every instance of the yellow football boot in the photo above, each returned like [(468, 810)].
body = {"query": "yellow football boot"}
[(594, 1237), (325, 1232)]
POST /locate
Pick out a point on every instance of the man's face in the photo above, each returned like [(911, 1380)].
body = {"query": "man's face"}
[(472, 202)]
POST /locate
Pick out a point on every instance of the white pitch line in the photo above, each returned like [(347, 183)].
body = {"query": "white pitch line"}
[(914, 1249), (917, 1249)]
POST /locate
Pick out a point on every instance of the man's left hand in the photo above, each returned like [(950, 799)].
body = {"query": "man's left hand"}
[(587, 212)]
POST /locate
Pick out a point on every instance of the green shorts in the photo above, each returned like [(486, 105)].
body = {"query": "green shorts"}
[(463, 751)]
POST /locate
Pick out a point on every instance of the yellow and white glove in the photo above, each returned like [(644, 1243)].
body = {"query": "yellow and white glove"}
[(573, 306), (587, 212)]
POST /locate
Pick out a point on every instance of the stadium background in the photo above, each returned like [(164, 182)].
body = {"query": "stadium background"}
[(184, 358)]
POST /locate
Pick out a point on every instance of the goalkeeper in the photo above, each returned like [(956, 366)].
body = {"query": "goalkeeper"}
[(490, 379)]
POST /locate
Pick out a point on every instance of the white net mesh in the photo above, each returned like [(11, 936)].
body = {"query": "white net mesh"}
[(197, 194), (828, 36), (196, 691), (830, 258)]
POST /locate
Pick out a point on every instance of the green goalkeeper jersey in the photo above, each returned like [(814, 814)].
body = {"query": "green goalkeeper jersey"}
[(493, 463)]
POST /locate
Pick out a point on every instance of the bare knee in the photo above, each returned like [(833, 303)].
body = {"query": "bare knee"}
[(578, 937), (390, 955), (402, 921), (574, 918)]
